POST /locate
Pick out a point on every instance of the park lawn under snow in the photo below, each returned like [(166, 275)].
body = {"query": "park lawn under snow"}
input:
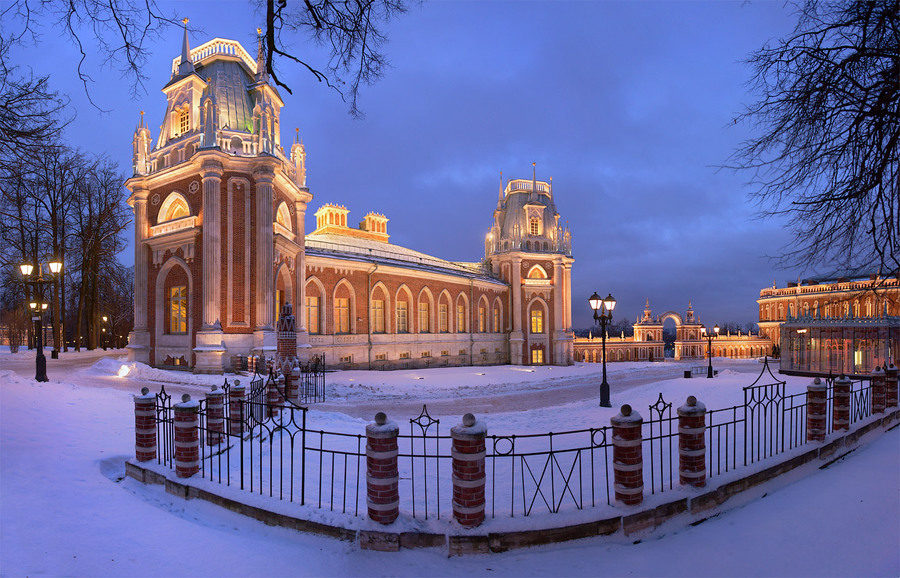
[(64, 509)]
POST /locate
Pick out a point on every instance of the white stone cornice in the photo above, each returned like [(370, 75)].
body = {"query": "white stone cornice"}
[(184, 239)]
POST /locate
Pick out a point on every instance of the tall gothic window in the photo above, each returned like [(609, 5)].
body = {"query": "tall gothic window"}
[(537, 321), (443, 320), (496, 320), (342, 315), (312, 314), (378, 316), (460, 318), (178, 309), (482, 320), (423, 317), (402, 317), (534, 226)]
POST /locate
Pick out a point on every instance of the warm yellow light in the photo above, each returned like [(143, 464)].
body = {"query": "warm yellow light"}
[(33, 305), (55, 266), (595, 301), (610, 302), (43, 306), (124, 370), (26, 269), (105, 318)]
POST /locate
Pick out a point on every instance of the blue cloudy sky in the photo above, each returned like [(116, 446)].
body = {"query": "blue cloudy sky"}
[(629, 106)]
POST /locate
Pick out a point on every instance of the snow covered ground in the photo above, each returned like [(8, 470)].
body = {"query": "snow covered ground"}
[(65, 509)]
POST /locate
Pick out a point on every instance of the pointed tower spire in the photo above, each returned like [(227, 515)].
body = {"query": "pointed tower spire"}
[(185, 67), (261, 74), (500, 194)]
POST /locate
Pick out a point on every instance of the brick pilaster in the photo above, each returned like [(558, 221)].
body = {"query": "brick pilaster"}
[(628, 457), (145, 426), (878, 390), (237, 411), (382, 474), (890, 386), (692, 443), (215, 416), (840, 413), (468, 471), (187, 437), (816, 408)]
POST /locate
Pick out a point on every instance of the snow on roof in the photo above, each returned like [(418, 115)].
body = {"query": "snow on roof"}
[(352, 247)]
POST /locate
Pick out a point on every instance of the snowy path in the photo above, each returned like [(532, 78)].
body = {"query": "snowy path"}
[(63, 513)]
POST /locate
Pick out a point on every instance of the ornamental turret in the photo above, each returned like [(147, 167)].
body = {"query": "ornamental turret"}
[(141, 144)]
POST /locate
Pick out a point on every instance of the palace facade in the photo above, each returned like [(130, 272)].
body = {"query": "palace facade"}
[(847, 322), (220, 244)]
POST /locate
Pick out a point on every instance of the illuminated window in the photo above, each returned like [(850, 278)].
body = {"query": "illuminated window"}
[(537, 356), (537, 272), (342, 315), (402, 317), (178, 309), (378, 316), (537, 321), (423, 317), (496, 320), (312, 314), (184, 121), (174, 207), (283, 216), (279, 302), (482, 320), (443, 320), (534, 226), (460, 318)]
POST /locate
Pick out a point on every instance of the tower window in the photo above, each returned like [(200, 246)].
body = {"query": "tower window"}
[(534, 226), (537, 321), (184, 121)]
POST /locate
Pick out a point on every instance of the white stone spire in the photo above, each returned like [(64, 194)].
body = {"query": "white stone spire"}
[(186, 66)]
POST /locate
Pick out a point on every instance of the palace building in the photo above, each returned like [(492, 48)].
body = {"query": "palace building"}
[(220, 244), (846, 322)]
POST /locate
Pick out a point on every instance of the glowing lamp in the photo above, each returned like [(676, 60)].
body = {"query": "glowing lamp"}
[(26, 269)]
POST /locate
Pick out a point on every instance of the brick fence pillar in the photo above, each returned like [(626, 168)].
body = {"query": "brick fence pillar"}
[(628, 458), (145, 426), (236, 409), (890, 386), (468, 471), (251, 364), (840, 412), (215, 416), (294, 396), (692, 443), (878, 390), (816, 409), (382, 474), (275, 397), (187, 437)]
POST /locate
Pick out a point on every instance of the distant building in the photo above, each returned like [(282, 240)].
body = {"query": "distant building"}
[(847, 322), (647, 343), (220, 245)]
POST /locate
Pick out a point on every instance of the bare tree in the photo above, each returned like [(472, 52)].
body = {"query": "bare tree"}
[(827, 151), (120, 31)]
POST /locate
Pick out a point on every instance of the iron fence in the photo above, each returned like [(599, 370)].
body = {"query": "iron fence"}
[(272, 450)]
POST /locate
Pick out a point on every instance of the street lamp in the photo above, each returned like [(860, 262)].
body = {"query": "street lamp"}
[(709, 335), (105, 336), (34, 277), (603, 309)]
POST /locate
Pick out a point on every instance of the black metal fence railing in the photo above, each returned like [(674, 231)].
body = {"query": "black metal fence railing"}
[(273, 450)]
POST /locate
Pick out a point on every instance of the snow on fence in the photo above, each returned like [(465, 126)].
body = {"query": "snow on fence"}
[(262, 441)]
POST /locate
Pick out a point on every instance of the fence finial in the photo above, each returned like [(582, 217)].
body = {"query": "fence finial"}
[(380, 418)]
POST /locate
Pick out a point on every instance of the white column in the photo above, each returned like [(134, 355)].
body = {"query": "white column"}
[(264, 260), (300, 275), (212, 245), (516, 337), (139, 338)]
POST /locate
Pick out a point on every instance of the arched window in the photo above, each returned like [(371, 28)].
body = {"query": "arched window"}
[(537, 272), (178, 309), (283, 216), (534, 226), (537, 320), (174, 207)]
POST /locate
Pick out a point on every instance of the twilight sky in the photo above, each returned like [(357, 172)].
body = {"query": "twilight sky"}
[(627, 105)]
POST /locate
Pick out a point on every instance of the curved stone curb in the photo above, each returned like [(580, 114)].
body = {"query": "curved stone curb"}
[(457, 545)]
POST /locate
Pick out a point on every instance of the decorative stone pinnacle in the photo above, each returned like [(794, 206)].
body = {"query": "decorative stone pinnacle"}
[(145, 390), (626, 410), (380, 418), (185, 21), (186, 398), (468, 420)]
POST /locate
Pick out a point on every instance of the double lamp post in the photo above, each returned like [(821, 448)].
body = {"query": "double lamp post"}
[(34, 278), (710, 335), (603, 309)]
